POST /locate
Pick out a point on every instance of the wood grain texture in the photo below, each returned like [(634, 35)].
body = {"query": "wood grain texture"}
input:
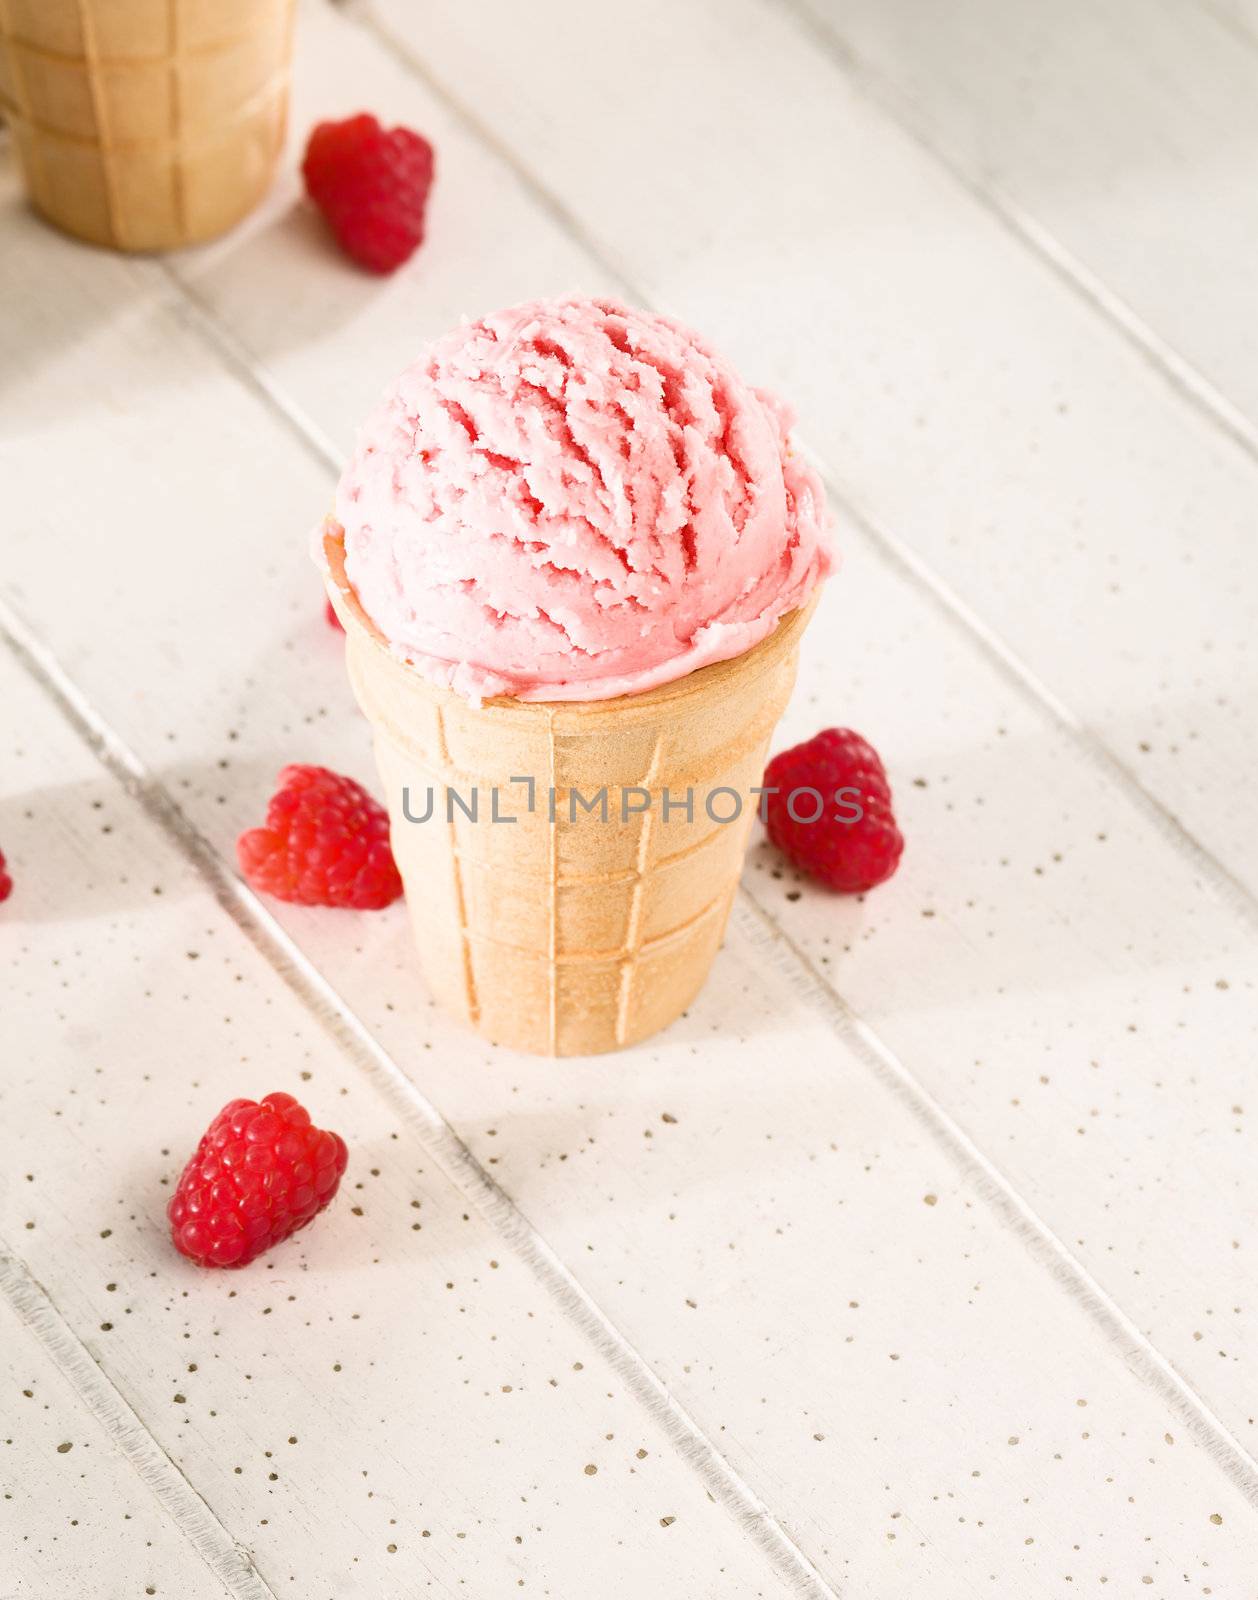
[(699, 1196), (965, 400), (903, 1297), (71, 1500), (1029, 934), (711, 1238), (390, 1404), (1125, 130), (1240, 15)]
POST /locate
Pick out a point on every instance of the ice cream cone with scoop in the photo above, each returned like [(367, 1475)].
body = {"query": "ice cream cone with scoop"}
[(146, 124), (574, 555)]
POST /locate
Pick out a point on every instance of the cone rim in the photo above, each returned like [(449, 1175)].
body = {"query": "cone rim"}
[(760, 657)]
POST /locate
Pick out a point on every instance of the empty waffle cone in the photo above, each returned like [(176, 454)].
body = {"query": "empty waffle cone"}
[(576, 935), (145, 124)]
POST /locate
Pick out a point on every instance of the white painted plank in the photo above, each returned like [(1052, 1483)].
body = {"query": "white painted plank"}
[(391, 1404), (988, 948), (962, 396), (942, 1448), (766, 1162), (77, 1518), (1240, 15), (484, 240), (1125, 130)]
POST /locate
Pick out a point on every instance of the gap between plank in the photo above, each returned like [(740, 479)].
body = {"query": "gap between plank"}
[(986, 1180), (1230, 23), (363, 14), (228, 1562), (1091, 745), (189, 307), (1093, 748), (1139, 1354), (1189, 384), (185, 1506), (720, 1479)]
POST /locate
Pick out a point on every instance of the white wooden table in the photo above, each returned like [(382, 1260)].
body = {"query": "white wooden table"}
[(919, 1260)]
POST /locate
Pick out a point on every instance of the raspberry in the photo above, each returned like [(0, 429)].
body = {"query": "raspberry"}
[(6, 882), (843, 853), (333, 620), (326, 843), (372, 186), (260, 1172)]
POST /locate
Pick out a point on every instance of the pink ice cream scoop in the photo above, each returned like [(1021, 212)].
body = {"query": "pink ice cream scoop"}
[(571, 500)]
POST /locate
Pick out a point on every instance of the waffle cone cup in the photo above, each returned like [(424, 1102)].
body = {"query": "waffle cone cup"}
[(577, 935), (145, 124)]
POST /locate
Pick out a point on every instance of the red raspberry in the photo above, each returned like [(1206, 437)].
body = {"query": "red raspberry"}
[(260, 1172), (6, 882), (326, 843), (845, 853), (333, 620), (372, 185)]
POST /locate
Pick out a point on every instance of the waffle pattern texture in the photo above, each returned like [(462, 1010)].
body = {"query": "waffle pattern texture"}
[(145, 124)]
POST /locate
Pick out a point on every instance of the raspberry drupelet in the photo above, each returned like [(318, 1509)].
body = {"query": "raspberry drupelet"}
[(371, 183), (325, 843), (260, 1172), (846, 852)]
